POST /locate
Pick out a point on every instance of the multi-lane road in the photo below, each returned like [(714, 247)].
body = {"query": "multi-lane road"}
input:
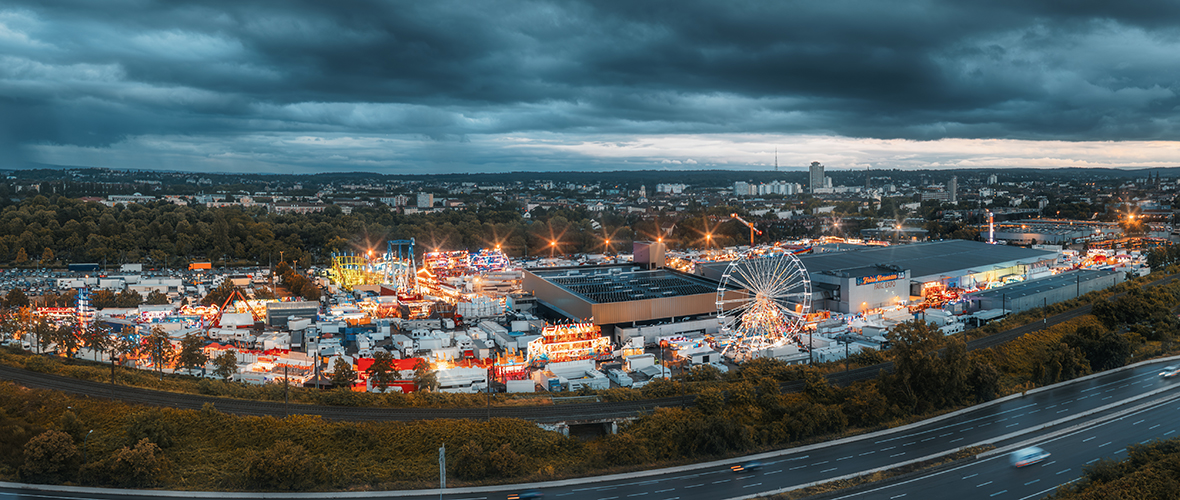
[(992, 478), (1095, 397)]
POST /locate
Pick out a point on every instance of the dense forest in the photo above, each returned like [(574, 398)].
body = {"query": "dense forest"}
[(44, 231)]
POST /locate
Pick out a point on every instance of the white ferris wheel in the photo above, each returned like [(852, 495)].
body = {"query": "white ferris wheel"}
[(763, 301)]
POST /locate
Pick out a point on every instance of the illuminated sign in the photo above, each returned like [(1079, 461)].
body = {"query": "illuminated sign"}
[(880, 278)]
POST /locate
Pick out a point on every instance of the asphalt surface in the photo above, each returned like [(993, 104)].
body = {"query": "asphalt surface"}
[(797, 467), (993, 478)]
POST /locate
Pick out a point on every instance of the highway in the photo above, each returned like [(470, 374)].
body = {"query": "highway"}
[(993, 478), (1105, 393)]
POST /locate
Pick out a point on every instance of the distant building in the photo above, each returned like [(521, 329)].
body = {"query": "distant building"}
[(400, 200), (741, 188), (425, 200), (952, 189), (991, 179), (816, 176)]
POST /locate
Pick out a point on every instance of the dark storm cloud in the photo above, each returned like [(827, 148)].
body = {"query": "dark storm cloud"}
[(93, 74)]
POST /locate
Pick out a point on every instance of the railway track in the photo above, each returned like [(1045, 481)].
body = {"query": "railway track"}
[(547, 413), (136, 395)]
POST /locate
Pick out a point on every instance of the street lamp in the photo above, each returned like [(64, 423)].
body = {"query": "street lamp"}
[(85, 448)]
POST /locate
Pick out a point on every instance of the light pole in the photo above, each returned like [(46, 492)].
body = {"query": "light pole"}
[(85, 448)]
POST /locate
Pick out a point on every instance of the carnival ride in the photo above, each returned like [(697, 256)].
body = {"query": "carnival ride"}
[(569, 342), (763, 301)]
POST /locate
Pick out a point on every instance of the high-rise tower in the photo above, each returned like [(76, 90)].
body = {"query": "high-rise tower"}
[(817, 176)]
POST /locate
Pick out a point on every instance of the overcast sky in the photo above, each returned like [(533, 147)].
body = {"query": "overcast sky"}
[(474, 86)]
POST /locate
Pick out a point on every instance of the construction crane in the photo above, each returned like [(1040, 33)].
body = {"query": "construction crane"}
[(752, 228)]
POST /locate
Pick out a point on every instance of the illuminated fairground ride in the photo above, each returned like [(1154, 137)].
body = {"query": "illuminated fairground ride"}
[(349, 270), (763, 301), (396, 266)]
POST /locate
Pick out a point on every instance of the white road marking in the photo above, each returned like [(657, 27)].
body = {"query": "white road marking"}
[(1092, 461), (844, 458), (1031, 482), (827, 470), (750, 485), (1137, 423), (1104, 444), (897, 455), (1089, 438), (1063, 472), (971, 476), (982, 485), (999, 492)]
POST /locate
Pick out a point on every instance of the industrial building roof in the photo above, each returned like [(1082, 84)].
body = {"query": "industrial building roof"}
[(924, 259), (604, 284), (1042, 285)]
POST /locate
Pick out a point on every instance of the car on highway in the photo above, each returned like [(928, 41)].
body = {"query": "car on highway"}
[(1027, 456), (751, 466), (527, 495), (1170, 371)]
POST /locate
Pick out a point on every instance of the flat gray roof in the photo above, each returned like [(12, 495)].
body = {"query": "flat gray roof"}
[(1042, 285), (605, 284), (922, 259)]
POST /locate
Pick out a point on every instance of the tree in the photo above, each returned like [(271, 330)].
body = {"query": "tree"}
[(44, 331), (159, 349), (47, 256), (155, 298), (343, 376), (381, 371), (66, 338), (226, 365), (9, 325), (22, 257), (219, 295), (1105, 349), (192, 353), (16, 298), (924, 380), (424, 378)]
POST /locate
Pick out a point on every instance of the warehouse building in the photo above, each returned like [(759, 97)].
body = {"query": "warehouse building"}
[(1045, 291), (865, 279), (622, 295), (279, 313)]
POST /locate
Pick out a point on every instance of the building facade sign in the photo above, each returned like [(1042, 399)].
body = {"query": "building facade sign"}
[(879, 278)]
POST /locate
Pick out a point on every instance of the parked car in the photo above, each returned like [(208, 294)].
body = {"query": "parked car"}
[(1027, 456)]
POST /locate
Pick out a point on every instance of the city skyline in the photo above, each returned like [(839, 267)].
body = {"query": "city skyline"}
[(534, 86)]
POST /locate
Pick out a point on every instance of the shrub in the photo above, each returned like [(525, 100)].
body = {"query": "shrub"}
[(50, 457), (139, 467), (148, 425), (284, 466)]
